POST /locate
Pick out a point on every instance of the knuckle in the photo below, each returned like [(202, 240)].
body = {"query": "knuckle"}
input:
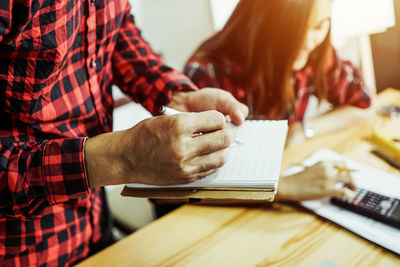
[(146, 125), (319, 164), (224, 159), (182, 171), (226, 139), (326, 186), (221, 160), (324, 164), (177, 156), (325, 176), (177, 123), (341, 193), (226, 93), (319, 167), (180, 142), (327, 173), (211, 171), (218, 116), (221, 117), (191, 179)]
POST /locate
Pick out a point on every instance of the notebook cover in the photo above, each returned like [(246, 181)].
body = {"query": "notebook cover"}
[(202, 193)]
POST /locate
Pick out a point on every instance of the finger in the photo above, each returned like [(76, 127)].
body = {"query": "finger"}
[(330, 169), (228, 105), (239, 113), (345, 178), (340, 166), (327, 169), (344, 192), (330, 163), (212, 142), (210, 161), (202, 174), (342, 176), (202, 122)]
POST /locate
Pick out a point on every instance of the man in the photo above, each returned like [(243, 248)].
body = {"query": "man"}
[(59, 60)]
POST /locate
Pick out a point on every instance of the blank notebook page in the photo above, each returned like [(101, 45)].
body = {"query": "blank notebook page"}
[(254, 164)]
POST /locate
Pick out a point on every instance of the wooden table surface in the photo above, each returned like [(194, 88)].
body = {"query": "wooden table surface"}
[(265, 235)]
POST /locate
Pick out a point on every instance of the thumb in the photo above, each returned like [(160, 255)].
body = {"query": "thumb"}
[(344, 192), (228, 105)]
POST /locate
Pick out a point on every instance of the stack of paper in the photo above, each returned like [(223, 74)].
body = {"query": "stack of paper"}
[(251, 171)]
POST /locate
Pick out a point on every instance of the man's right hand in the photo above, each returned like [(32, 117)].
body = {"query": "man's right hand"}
[(160, 151)]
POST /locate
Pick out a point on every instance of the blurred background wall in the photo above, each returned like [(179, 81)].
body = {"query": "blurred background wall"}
[(174, 27), (386, 54)]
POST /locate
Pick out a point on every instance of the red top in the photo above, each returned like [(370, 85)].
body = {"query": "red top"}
[(345, 85), (58, 62)]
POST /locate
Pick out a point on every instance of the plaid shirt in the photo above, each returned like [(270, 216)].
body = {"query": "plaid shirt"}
[(345, 85), (59, 60)]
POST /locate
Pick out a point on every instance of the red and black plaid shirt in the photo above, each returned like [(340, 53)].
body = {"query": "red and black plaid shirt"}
[(345, 85), (58, 61)]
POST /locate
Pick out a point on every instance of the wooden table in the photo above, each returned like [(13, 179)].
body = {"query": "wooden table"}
[(281, 235)]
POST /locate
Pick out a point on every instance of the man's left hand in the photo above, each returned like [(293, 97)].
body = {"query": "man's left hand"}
[(210, 99)]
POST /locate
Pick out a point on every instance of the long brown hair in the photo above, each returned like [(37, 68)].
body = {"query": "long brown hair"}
[(263, 37)]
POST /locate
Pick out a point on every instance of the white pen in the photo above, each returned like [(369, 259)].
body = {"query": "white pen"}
[(170, 111)]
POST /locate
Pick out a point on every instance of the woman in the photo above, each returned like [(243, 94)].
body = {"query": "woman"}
[(272, 55)]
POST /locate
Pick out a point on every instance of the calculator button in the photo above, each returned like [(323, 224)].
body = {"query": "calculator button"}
[(357, 201), (385, 204)]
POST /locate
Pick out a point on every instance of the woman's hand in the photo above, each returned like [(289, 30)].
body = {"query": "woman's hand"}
[(317, 181)]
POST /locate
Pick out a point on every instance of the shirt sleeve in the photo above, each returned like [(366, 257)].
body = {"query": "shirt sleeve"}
[(200, 74), (345, 84), (139, 72), (35, 175)]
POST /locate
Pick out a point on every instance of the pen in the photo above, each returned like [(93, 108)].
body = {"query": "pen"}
[(339, 168), (170, 111), (344, 169)]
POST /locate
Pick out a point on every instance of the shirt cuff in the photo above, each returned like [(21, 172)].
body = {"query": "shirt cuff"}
[(161, 90), (64, 170)]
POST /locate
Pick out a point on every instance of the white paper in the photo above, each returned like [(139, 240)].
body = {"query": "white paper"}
[(254, 164), (367, 178)]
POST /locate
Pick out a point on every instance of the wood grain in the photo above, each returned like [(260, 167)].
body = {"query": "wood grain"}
[(277, 235)]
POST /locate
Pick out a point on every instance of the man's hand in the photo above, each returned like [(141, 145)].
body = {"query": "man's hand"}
[(160, 151), (211, 99)]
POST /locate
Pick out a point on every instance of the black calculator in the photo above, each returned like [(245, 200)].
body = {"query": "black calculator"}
[(373, 205)]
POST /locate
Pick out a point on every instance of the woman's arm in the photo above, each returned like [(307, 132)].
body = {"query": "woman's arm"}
[(345, 84), (202, 73)]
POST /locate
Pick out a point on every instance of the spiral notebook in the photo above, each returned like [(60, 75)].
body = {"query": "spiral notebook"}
[(251, 171)]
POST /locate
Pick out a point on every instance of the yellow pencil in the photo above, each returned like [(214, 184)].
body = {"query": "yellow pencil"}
[(339, 168), (344, 169)]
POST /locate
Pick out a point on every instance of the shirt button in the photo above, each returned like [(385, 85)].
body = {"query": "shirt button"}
[(93, 63), (106, 121)]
